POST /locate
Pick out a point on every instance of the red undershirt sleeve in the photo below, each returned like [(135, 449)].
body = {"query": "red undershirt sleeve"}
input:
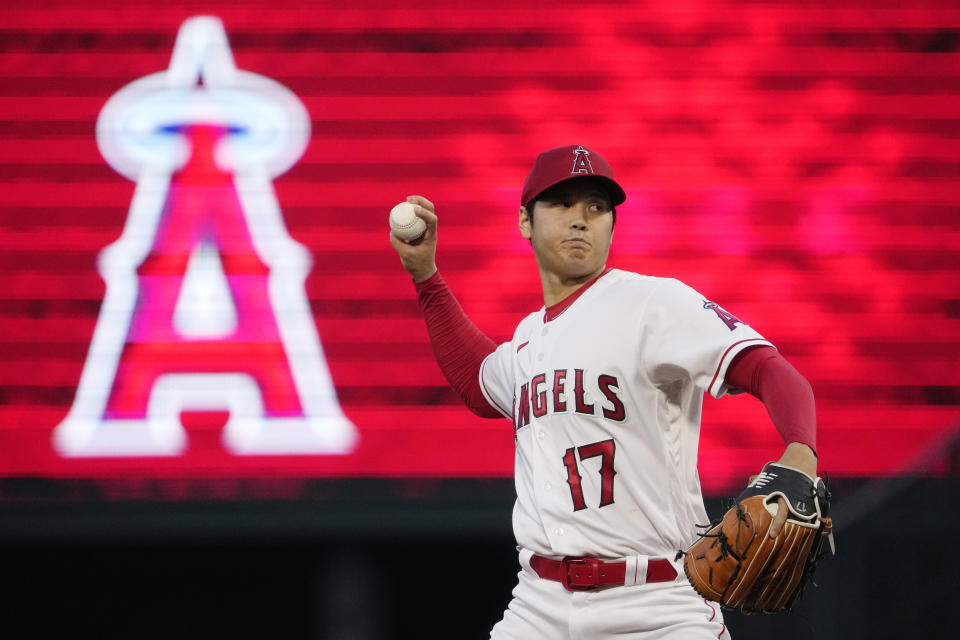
[(765, 374), (458, 345)]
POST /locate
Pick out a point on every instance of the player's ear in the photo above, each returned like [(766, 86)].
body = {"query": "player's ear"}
[(524, 223)]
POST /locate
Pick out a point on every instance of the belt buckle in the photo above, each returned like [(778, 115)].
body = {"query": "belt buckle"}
[(580, 574)]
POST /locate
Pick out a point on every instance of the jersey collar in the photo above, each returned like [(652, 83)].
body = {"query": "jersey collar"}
[(555, 310)]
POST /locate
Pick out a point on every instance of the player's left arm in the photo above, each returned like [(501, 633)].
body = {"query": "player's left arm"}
[(788, 397)]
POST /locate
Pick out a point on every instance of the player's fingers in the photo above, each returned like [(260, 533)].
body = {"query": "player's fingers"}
[(780, 519), (426, 215), (405, 249), (423, 202), (401, 247), (396, 242)]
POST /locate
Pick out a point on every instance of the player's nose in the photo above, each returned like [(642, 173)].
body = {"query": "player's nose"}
[(578, 215)]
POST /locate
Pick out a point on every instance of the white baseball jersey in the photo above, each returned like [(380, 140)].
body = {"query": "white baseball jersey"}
[(605, 391)]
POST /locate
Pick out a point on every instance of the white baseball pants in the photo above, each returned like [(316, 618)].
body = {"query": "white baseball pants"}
[(543, 609)]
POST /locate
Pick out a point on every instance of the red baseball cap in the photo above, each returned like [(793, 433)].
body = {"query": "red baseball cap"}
[(566, 163)]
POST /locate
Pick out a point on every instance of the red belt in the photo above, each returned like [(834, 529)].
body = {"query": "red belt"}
[(583, 574)]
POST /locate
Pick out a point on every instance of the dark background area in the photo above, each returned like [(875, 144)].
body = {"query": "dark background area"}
[(435, 566)]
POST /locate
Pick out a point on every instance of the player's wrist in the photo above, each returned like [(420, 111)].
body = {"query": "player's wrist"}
[(424, 274), (799, 455)]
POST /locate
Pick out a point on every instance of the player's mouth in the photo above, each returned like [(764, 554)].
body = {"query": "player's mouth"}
[(577, 242)]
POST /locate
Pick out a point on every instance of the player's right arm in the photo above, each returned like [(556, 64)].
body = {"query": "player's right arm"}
[(458, 345)]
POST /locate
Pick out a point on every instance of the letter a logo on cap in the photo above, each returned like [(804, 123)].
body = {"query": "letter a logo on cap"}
[(581, 161)]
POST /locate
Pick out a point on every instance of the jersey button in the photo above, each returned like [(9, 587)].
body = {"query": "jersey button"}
[(559, 531), (543, 331), (547, 486), (540, 357), (542, 434)]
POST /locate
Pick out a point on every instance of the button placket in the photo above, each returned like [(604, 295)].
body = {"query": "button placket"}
[(541, 347)]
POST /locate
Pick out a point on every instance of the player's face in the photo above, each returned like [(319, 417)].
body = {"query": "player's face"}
[(571, 230)]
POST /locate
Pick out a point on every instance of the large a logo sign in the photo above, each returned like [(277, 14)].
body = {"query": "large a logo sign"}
[(205, 307)]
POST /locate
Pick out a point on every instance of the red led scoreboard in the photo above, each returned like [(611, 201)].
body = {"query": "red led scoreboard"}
[(196, 276)]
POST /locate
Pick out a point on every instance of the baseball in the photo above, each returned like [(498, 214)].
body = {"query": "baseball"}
[(405, 224)]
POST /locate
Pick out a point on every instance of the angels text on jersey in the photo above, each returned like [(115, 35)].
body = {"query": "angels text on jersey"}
[(540, 397)]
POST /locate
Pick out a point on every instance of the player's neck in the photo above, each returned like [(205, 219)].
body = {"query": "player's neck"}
[(556, 288)]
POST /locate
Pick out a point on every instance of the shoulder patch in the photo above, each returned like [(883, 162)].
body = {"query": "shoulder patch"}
[(728, 318)]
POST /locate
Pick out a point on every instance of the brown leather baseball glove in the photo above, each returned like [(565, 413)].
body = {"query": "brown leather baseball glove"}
[(736, 562)]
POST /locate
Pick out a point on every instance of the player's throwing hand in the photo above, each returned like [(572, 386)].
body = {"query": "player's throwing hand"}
[(420, 259)]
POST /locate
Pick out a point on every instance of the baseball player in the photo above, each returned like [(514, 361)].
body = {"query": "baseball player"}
[(604, 387)]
